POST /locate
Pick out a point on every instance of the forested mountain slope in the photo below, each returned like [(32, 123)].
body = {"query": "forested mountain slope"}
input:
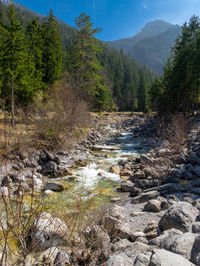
[(126, 79), (152, 45)]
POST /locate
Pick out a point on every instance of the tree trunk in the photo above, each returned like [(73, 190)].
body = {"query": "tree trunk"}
[(12, 103)]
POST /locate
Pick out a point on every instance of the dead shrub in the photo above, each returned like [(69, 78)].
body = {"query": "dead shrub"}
[(174, 130)]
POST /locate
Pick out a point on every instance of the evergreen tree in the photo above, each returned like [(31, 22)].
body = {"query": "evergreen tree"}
[(52, 50), (16, 75), (85, 67), (34, 36)]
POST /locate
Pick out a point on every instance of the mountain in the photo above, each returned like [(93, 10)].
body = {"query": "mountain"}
[(151, 45)]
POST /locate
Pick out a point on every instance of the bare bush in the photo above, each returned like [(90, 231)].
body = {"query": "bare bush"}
[(174, 131), (63, 116)]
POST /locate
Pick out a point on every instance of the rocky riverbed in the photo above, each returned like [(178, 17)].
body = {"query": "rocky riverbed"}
[(155, 217)]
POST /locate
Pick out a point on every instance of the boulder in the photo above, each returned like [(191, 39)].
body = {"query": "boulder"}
[(119, 260), (139, 175), (50, 168), (166, 238), (179, 216), (195, 254), (62, 258), (54, 186), (48, 231), (127, 186), (122, 245), (134, 236), (153, 206), (162, 257), (143, 259), (151, 230), (183, 245), (164, 152)]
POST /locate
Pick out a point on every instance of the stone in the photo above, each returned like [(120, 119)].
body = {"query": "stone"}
[(115, 169), (146, 196), (48, 231), (196, 228), (153, 206), (143, 259), (117, 228), (136, 235), (127, 186), (183, 245), (164, 152), (196, 170), (120, 259), (179, 216), (151, 230), (50, 168), (195, 254), (122, 245), (162, 257), (145, 160), (54, 186), (193, 158), (166, 238), (37, 184), (62, 258), (139, 175), (48, 256)]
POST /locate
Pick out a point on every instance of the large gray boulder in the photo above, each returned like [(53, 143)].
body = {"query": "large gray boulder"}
[(48, 231), (183, 245), (119, 260), (162, 257), (180, 216)]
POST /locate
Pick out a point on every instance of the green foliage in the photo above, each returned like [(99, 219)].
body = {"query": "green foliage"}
[(85, 67), (17, 69), (179, 88), (52, 50)]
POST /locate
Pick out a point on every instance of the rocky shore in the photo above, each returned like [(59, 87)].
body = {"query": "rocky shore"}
[(157, 222)]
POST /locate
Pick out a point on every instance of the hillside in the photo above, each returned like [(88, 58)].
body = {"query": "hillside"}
[(151, 45)]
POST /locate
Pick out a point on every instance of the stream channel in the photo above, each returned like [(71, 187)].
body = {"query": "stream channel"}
[(94, 183)]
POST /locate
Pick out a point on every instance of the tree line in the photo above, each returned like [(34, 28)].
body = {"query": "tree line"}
[(178, 89), (36, 53)]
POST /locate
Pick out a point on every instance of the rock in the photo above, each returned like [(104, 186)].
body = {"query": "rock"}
[(151, 230), (166, 238), (122, 245), (151, 171), (119, 260), (153, 206), (54, 186), (194, 158), (48, 231), (4, 191), (136, 235), (37, 184), (162, 257), (48, 256), (49, 168), (145, 197), (183, 245), (196, 228), (116, 211), (195, 254), (115, 169), (136, 249), (138, 175), (115, 199), (179, 216), (143, 259), (164, 152), (62, 258), (117, 228), (196, 170), (127, 186), (145, 160)]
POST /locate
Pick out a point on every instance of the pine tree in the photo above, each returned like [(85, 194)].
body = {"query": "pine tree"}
[(34, 36), (85, 67), (52, 50), (17, 82)]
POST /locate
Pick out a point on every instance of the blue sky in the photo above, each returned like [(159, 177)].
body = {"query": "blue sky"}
[(118, 18)]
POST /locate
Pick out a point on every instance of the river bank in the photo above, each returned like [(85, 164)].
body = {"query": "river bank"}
[(154, 184)]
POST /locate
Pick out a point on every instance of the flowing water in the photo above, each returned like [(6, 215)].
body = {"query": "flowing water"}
[(95, 181)]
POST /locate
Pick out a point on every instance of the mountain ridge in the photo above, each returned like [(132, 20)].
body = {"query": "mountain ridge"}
[(148, 38)]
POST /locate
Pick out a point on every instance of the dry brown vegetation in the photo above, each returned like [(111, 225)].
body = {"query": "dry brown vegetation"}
[(58, 119)]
